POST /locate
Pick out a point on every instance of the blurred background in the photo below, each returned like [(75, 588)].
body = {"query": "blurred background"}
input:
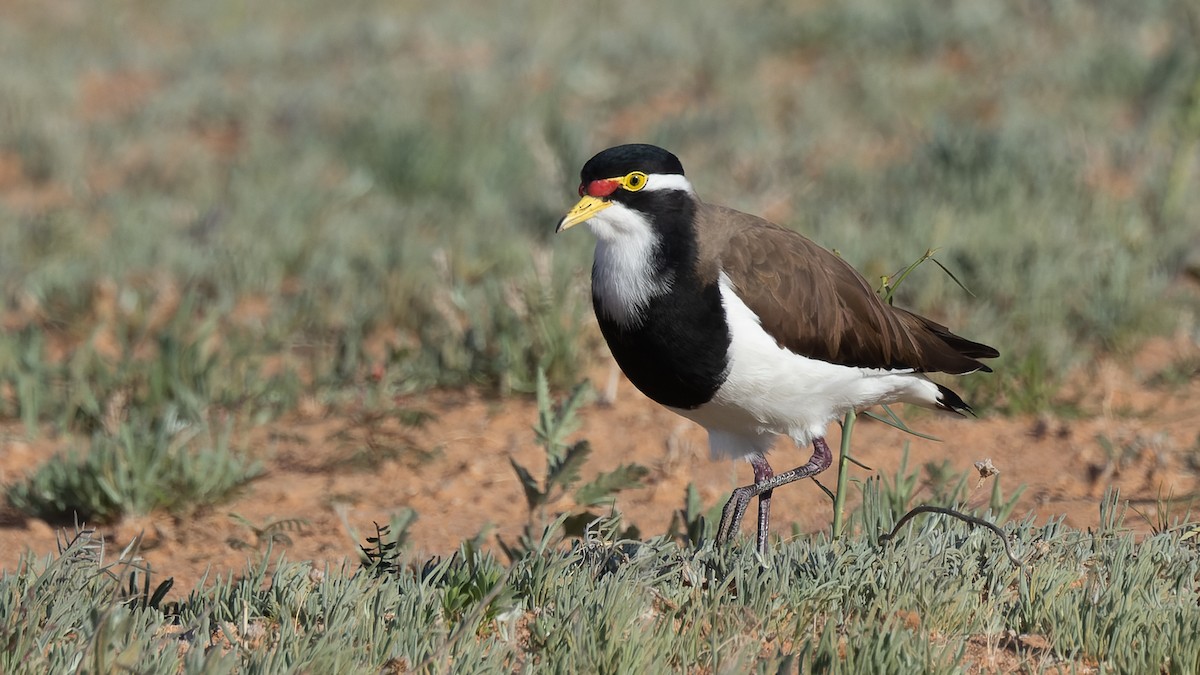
[(238, 205), (281, 275)]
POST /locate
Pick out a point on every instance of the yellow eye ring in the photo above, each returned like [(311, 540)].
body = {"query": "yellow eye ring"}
[(634, 181)]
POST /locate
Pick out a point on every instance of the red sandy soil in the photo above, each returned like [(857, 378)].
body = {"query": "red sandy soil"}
[(341, 471)]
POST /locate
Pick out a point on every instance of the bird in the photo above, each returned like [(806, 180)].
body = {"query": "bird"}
[(747, 328)]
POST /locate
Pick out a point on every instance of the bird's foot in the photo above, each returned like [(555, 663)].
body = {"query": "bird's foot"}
[(734, 511), (735, 508)]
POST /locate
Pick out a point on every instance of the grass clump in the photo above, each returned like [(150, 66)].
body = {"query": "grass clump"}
[(143, 350), (137, 469), (80, 610), (943, 598)]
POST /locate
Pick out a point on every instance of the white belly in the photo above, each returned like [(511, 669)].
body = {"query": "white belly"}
[(770, 391)]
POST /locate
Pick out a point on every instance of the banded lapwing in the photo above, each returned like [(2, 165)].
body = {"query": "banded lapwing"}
[(747, 328)]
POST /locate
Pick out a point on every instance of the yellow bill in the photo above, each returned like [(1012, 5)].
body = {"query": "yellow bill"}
[(587, 207)]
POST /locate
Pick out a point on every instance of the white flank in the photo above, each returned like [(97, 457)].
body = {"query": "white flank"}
[(771, 391)]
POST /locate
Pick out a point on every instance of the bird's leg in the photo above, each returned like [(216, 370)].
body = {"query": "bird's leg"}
[(735, 508), (763, 473)]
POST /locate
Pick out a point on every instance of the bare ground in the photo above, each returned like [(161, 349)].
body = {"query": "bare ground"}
[(340, 471)]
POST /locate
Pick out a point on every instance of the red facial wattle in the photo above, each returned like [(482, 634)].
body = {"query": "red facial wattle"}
[(599, 188)]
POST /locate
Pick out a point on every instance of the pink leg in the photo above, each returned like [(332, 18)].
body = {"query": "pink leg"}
[(764, 483), (763, 473)]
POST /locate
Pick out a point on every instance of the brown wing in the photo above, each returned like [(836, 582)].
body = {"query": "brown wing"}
[(814, 303)]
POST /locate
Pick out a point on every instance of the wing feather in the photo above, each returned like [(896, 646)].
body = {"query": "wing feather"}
[(816, 304)]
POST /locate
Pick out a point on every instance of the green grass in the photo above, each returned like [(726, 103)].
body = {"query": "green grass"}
[(937, 596), (219, 209), (1089, 599), (136, 469), (383, 181)]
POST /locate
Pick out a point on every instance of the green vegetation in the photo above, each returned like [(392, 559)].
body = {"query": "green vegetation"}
[(136, 470), (941, 598), (225, 206), (936, 597), (564, 460), (211, 212)]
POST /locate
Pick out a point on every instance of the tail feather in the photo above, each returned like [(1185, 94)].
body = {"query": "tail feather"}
[(965, 347), (943, 351), (975, 350), (948, 400)]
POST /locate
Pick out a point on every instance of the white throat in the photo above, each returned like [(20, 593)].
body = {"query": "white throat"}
[(624, 275)]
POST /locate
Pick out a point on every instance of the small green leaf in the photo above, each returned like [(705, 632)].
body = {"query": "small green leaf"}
[(563, 472), (954, 278), (556, 423), (533, 495), (893, 420), (576, 525), (692, 504), (890, 284), (545, 410), (624, 477)]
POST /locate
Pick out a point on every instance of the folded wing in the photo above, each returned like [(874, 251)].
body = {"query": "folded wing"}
[(815, 304)]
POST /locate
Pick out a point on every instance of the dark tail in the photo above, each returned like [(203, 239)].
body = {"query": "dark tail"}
[(945, 352), (948, 400)]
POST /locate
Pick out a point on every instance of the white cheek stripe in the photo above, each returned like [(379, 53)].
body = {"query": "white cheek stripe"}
[(668, 181)]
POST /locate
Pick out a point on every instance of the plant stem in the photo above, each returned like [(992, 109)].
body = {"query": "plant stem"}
[(839, 501)]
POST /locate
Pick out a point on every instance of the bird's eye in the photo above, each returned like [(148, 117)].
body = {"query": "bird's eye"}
[(634, 181), (581, 190)]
